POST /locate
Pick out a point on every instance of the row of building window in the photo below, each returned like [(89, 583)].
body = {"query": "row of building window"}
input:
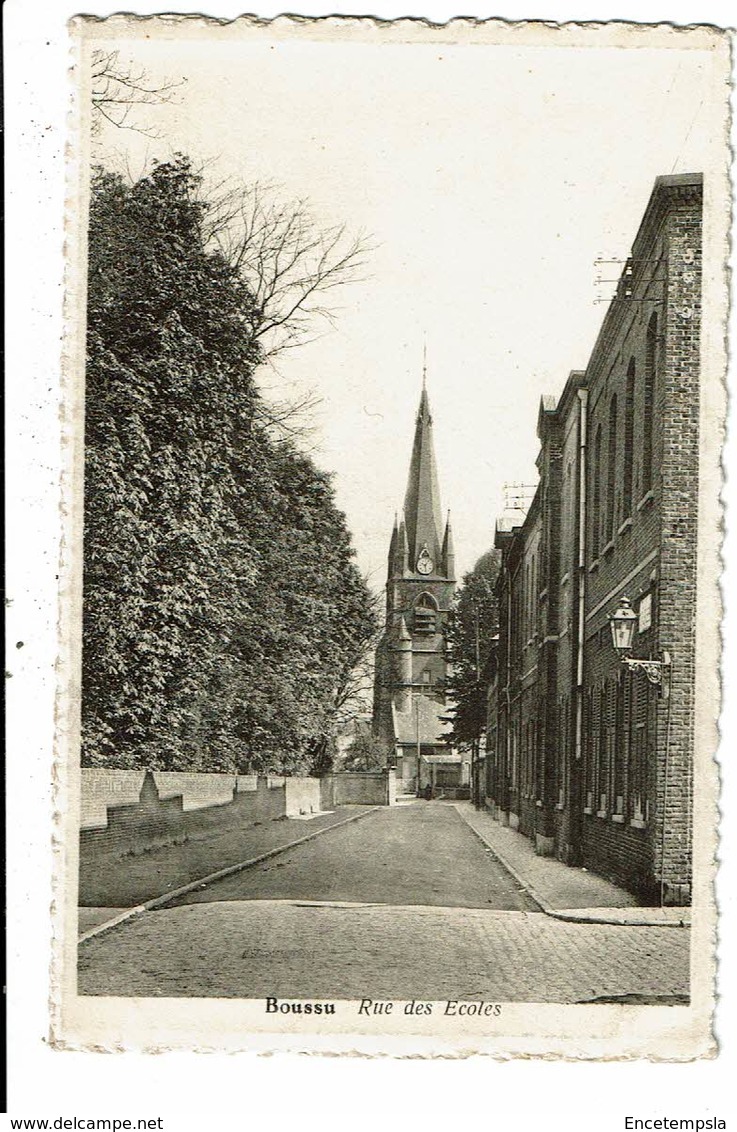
[(613, 502), (619, 735), (524, 604)]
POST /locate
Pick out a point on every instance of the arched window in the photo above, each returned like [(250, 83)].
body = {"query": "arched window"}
[(648, 408), (629, 436), (611, 472), (596, 508), (425, 614)]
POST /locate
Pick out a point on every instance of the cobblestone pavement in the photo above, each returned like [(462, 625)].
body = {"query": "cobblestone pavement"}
[(407, 903), (420, 854), (256, 948)]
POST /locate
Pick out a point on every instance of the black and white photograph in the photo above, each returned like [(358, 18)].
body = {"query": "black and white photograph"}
[(394, 396)]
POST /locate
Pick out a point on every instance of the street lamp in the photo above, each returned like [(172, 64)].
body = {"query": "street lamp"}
[(622, 625)]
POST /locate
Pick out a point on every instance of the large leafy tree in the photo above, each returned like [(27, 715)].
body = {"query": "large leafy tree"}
[(222, 605), (471, 634), (366, 752)]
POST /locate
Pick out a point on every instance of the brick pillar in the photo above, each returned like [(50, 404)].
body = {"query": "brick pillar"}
[(677, 406)]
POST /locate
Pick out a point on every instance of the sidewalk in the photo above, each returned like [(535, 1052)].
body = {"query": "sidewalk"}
[(107, 893), (562, 891)]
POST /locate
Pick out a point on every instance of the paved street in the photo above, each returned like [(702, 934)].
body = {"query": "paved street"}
[(408, 904), (163, 869), (259, 948), (417, 854)]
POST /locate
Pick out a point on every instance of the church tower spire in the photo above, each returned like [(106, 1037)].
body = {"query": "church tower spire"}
[(412, 668), (422, 513)]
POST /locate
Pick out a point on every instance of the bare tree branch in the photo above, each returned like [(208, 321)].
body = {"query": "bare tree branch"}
[(287, 262), (291, 267), (286, 420), (117, 87), (352, 701)]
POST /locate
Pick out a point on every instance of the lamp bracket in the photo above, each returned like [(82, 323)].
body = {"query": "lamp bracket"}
[(653, 669)]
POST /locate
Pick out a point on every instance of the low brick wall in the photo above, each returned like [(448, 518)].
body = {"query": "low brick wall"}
[(453, 793), (198, 790), (364, 788), (126, 813), (154, 820), (103, 788), (302, 796), (327, 792)]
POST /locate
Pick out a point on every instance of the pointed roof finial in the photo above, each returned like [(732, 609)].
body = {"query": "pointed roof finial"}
[(402, 534), (422, 514), (424, 363), (403, 631), (448, 550)]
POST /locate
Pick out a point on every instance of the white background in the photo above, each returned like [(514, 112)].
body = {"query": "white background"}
[(194, 1091)]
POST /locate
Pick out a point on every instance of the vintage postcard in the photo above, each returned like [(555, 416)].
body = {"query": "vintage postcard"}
[(394, 400)]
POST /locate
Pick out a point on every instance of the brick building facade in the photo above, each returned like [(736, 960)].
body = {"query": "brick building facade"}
[(585, 755)]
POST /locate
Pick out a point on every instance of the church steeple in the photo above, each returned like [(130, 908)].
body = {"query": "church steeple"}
[(422, 514), (412, 667)]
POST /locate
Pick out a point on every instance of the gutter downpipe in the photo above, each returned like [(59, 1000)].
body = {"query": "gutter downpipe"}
[(508, 736), (583, 398)]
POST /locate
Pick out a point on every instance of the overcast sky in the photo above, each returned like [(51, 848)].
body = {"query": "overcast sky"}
[(490, 179)]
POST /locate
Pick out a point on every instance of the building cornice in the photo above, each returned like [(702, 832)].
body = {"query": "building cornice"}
[(667, 192)]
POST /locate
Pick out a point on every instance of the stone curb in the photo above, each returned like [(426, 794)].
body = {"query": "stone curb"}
[(202, 882), (524, 885), (431, 909), (633, 920)]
